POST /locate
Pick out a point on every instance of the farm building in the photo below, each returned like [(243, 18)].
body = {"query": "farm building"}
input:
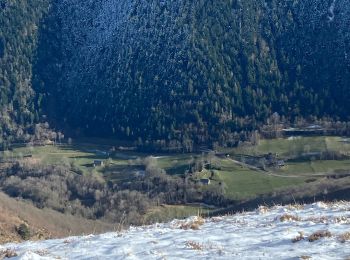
[(281, 163), (205, 181), (98, 163)]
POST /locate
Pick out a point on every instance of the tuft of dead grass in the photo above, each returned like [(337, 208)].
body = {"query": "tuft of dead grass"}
[(289, 218), (8, 253), (342, 219), (194, 224), (299, 237), (263, 210), (344, 237), (295, 206), (216, 219), (194, 245), (205, 246), (41, 252), (320, 220), (305, 257), (319, 234)]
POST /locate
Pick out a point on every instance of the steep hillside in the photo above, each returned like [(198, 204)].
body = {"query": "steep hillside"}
[(315, 231), (175, 73), (197, 72), (42, 223)]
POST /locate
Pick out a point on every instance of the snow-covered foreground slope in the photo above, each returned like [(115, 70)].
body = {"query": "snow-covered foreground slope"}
[(263, 234)]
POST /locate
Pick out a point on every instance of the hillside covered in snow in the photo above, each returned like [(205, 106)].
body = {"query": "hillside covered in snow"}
[(317, 231)]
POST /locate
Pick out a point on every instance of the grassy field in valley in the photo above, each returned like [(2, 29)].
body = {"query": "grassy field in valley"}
[(169, 212), (238, 181)]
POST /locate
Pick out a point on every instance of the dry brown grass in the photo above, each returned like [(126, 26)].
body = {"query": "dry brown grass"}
[(299, 237), (194, 245), (263, 210), (8, 253), (295, 206), (305, 257), (194, 225), (321, 220), (319, 234), (205, 246), (344, 237), (31, 161), (43, 223), (215, 219), (342, 219), (289, 218), (42, 252)]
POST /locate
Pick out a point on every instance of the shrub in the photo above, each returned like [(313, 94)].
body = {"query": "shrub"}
[(344, 237), (319, 234), (194, 225), (23, 231)]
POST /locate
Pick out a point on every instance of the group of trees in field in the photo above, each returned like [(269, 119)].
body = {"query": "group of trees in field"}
[(59, 188), (276, 125), (32, 135), (62, 188)]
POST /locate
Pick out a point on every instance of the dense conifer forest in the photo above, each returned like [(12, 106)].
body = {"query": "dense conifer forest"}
[(20, 22), (170, 73)]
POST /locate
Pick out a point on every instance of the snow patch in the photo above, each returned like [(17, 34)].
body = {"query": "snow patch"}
[(289, 232)]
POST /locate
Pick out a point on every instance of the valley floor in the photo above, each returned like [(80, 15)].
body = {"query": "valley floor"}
[(317, 231)]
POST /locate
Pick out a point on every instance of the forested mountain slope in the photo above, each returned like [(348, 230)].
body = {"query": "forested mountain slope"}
[(188, 72), (20, 22)]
